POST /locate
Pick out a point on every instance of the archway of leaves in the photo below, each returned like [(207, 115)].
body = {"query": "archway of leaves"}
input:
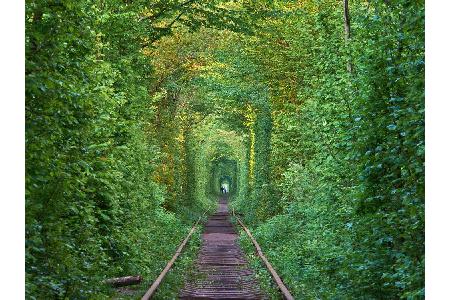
[(132, 120), (209, 110), (218, 154), (223, 174)]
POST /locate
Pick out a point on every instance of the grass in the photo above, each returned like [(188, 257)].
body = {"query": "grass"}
[(174, 279), (262, 275)]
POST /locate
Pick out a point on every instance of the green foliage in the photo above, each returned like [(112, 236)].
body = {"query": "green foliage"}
[(93, 208), (391, 146), (347, 152), (136, 111)]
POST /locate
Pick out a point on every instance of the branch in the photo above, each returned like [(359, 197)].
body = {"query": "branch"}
[(163, 10), (347, 32)]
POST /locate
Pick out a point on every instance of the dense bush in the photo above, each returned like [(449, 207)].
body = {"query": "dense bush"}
[(351, 151), (93, 208)]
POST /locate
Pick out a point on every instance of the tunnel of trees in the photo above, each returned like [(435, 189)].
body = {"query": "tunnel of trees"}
[(312, 111)]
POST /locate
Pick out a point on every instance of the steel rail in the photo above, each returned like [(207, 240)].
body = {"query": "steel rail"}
[(287, 295), (169, 265)]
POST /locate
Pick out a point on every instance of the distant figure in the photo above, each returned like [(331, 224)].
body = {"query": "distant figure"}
[(221, 189)]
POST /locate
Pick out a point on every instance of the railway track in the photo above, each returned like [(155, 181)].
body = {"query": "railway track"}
[(221, 270)]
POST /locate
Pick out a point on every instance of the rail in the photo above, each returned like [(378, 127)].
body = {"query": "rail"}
[(169, 265), (287, 295)]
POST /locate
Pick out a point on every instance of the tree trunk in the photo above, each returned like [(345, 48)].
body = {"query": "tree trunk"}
[(347, 31)]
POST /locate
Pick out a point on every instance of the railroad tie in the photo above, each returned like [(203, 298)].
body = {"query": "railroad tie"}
[(221, 270)]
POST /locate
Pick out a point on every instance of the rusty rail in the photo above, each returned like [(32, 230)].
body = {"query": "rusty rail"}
[(287, 295), (169, 265)]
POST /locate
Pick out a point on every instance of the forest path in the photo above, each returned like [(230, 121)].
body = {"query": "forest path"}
[(221, 270)]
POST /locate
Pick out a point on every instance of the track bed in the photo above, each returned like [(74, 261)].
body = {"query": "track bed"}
[(221, 270)]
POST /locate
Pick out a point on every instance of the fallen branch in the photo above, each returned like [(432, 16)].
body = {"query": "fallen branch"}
[(124, 281)]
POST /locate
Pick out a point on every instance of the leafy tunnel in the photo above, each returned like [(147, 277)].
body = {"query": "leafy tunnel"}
[(137, 112)]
